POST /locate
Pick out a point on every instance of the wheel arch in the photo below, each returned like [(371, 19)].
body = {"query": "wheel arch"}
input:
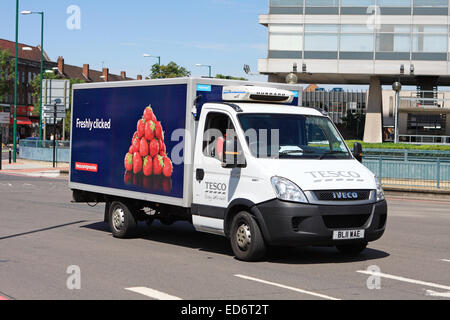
[(239, 205)]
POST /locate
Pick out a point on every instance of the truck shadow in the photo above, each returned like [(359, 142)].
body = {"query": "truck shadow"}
[(184, 235)]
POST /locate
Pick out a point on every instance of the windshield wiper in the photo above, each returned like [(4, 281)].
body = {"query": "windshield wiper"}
[(329, 153)]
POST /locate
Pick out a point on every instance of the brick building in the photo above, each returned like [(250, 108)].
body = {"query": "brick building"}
[(29, 58)]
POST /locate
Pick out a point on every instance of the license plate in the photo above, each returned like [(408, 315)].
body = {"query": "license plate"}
[(348, 235)]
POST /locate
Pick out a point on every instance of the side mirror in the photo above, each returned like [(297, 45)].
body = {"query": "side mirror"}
[(233, 156), (358, 152)]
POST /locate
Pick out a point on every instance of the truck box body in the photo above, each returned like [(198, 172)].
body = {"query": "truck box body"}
[(104, 120)]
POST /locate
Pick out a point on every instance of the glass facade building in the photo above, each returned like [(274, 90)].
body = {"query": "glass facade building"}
[(369, 42), (391, 32)]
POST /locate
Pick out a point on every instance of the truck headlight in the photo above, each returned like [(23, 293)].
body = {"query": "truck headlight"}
[(380, 191), (288, 191)]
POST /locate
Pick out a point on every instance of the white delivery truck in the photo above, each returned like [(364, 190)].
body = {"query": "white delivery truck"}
[(234, 158)]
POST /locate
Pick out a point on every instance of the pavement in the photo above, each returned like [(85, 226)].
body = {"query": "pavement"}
[(52, 249), (35, 168)]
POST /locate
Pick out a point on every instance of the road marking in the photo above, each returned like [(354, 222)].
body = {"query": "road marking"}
[(438, 294), (154, 294), (286, 287), (422, 283), (445, 260)]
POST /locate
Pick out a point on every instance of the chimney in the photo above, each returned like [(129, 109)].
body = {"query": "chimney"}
[(105, 74), (123, 75), (86, 71), (139, 77), (61, 65)]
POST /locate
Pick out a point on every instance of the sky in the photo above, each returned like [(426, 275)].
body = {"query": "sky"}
[(115, 34)]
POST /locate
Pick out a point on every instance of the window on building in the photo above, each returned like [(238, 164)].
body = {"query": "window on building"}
[(322, 3), (286, 3), (394, 3), (357, 3), (430, 3), (286, 37), (394, 38), (321, 37), (356, 38)]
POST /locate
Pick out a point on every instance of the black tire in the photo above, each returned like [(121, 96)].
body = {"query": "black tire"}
[(352, 249), (246, 238), (121, 221)]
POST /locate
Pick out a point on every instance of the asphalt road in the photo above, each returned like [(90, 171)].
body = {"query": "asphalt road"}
[(42, 234)]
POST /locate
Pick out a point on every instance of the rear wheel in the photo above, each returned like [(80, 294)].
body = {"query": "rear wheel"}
[(121, 221), (352, 249), (246, 238)]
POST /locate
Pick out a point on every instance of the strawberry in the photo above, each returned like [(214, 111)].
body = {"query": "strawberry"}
[(150, 130), (141, 128), (137, 163), (154, 147), (162, 148), (158, 164), (148, 114), (168, 167), (129, 162), (167, 185), (136, 144), (159, 131), (128, 178), (143, 148), (148, 166), (131, 150)]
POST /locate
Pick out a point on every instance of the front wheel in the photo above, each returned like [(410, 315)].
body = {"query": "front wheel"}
[(121, 221), (352, 249), (246, 238)]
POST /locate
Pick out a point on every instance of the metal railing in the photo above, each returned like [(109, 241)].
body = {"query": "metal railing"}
[(410, 169), (43, 144)]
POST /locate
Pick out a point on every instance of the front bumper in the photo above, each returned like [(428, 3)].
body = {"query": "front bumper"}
[(286, 223)]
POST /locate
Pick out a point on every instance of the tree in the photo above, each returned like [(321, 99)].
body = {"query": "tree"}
[(221, 76), (172, 70), (6, 72)]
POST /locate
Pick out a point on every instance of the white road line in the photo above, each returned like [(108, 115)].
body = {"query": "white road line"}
[(422, 283), (445, 260), (154, 294), (438, 294), (286, 287)]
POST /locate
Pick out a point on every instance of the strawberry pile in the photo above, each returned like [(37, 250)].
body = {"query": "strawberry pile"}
[(147, 153)]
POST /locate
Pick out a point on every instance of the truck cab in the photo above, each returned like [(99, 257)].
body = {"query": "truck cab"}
[(270, 174)]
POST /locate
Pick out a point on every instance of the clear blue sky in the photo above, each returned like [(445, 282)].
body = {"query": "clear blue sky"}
[(222, 33)]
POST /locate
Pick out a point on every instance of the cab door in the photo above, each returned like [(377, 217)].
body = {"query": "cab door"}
[(213, 184)]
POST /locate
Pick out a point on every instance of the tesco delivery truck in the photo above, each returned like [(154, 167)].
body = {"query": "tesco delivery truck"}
[(237, 159)]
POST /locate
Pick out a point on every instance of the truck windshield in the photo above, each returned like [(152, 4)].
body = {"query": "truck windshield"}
[(288, 136)]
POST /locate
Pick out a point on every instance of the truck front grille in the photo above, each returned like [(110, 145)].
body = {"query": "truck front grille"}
[(346, 221), (343, 195)]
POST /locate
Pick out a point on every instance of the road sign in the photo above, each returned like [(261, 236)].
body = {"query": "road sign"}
[(53, 89), (5, 118), (51, 115), (60, 108)]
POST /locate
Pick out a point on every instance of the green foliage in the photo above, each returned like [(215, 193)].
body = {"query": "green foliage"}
[(354, 123), (221, 76), (172, 70), (398, 146), (6, 72)]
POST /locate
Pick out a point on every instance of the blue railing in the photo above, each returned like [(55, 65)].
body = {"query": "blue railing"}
[(43, 150), (410, 169)]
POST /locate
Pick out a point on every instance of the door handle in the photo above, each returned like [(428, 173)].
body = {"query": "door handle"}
[(200, 175)]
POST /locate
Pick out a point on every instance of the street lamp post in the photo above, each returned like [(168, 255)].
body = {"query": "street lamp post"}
[(15, 85), (42, 64), (205, 65), (397, 87), (146, 55)]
